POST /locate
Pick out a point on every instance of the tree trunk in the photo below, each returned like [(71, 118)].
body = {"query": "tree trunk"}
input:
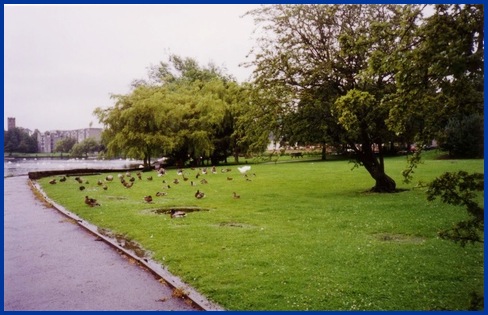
[(384, 183), (324, 151), (376, 168)]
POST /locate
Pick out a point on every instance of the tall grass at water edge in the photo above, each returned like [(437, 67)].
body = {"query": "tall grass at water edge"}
[(302, 236)]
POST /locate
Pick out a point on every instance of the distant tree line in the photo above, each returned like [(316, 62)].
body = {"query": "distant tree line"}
[(78, 149), (19, 140)]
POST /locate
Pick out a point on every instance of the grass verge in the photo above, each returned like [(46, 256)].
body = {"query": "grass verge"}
[(302, 236)]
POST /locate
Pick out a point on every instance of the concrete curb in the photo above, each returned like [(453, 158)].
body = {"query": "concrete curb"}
[(173, 281)]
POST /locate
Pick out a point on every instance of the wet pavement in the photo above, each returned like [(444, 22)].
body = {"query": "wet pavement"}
[(51, 263)]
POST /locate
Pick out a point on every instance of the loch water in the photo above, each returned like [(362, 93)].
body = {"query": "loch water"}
[(22, 166)]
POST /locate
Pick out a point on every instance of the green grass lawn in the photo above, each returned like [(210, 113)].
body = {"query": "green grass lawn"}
[(302, 236)]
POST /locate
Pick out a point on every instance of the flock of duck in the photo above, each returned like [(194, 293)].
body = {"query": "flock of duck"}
[(127, 180)]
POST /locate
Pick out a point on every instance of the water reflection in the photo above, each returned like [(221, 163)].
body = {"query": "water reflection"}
[(24, 166)]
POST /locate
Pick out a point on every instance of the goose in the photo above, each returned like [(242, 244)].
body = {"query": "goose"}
[(199, 194), (236, 196), (148, 199), (177, 214), (52, 181), (244, 169), (91, 202)]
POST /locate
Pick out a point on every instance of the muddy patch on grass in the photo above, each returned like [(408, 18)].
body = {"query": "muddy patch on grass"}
[(116, 198), (235, 225), (125, 242), (399, 238), (167, 210)]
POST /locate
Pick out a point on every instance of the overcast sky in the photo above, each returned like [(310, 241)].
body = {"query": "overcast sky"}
[(63, 61)]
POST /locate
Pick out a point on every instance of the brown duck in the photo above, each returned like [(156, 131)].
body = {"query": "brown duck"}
[(91, 202)]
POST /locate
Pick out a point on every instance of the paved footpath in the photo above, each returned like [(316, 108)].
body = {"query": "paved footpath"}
[(52, 264)]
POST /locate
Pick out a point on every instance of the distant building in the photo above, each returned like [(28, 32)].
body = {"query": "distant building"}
[(11, 123), (46, 142)]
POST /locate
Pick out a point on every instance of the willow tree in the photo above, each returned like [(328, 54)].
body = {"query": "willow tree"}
[(137, 125), (182, 110), (333, 54)]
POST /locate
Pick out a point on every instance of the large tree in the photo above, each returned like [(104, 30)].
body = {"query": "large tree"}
[(366, 75), (440, 76), (322, 60)]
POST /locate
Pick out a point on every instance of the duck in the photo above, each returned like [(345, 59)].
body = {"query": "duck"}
[(91, 202), (62, 179), (148, 199), (214, 170), (82, 187), (79, 180), (132, 179), (236, 196), (229, 178), (109, 178), (176, 181), (139, 175), (204, 181), (199, 194), (177, 214), (52, 181), (150, 178), (128, 185), (105, 187), (160, 194), (99, 182)]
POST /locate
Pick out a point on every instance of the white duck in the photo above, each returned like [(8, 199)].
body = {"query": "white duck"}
[(244, 169)]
